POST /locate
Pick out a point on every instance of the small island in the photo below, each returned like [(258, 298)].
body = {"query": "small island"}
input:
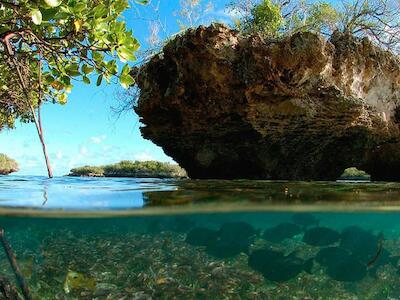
[(136, 169), (7, 165), (355, 174)]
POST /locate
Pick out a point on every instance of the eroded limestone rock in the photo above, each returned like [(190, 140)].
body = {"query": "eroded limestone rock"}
[(226, 106)]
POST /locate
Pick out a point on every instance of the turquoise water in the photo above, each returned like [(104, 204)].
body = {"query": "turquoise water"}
[(77, 238)]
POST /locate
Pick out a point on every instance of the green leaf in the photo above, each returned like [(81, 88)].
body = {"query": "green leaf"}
[(48, 78), (112, 67), (53, 3), (125, 70), (142, 2), (125, 54), (86, 79), (97, 56), (126, 81), (36, 16), (78, 7), (72, 70), (49, 14), (87, 69), (99, 80), (100, 11), (62, 99)]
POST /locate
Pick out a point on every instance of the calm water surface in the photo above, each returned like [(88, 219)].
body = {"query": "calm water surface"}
[(98, 238)]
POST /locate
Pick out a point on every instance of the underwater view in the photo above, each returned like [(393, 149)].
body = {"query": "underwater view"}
[(79, 238), (198, 149)]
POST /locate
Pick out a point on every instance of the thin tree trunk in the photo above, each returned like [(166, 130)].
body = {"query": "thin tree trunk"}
[(40, 128), (36, 120), (41, 138), (46, 157)]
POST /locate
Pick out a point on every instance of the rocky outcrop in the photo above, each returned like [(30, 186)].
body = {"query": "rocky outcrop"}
[(227, 106), (7, 165)]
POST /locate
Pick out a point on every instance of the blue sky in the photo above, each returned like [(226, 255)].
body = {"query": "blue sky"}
[(86, 131)]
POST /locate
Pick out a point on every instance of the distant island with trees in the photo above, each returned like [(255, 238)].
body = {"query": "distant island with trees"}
[(136, 169), (7, 165), (355, 174), (145, 169)]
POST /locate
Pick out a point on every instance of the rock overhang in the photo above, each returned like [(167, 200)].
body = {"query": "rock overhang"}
[(301, 107)]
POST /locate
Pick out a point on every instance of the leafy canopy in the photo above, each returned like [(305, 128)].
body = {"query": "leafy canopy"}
[(266, 18), (273, 19), (56, 43), (377, 20)]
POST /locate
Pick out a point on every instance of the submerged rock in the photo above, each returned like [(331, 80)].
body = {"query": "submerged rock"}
[(282, 231), (303, 107), (275, 266), (321, 236)]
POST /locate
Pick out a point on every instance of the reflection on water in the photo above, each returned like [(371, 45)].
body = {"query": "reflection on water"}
[(202, 239), (73, 193), (127, 195)]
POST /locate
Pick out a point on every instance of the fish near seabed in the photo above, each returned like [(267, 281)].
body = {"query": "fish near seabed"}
[(281, 232), (223, 248), (75, 281), (233, 238), (340, 264), (276, 266), (330, 255), (361, 243), (347, 268), (321, 236), (237, 230)]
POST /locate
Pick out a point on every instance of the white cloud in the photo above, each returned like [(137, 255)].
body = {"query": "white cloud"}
[(31, 163), (83, 150), (143, 156), (98, 139), (107, 148), (59, 155)]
